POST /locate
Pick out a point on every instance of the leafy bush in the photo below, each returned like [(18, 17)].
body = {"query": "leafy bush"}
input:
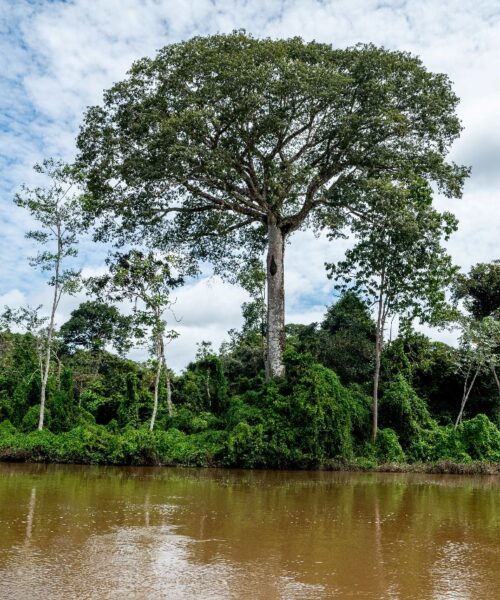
[(387, 447), (403, 411), (320, 408), (247, 445), (31, 418), (438, 443), (225, 413), (302, 420), (481, 439)]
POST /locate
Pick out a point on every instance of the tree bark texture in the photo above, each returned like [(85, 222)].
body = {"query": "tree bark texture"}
[(275, 302)]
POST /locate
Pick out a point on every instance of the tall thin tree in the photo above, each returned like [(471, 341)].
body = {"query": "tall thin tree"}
[(146, 280), (55, 209), (398, 264)]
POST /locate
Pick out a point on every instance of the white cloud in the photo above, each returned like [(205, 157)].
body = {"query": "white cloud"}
[(57, 57), (13, 299)]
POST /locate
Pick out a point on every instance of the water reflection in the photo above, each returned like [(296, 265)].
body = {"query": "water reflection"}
[(31, 514), (70, 531)]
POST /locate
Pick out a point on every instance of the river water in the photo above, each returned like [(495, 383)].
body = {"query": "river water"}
[(132, 533)]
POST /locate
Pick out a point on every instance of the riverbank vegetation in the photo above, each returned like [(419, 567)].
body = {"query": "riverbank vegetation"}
[(215, 152), (223, 411)]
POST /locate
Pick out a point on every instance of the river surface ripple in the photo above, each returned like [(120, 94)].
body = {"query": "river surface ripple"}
[(138, 533)]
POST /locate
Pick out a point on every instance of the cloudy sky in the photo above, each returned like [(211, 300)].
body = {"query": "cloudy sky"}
[(58, 56)]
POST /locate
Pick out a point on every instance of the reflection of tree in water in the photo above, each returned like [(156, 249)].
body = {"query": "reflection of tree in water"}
[(31, 514), (147, 508)]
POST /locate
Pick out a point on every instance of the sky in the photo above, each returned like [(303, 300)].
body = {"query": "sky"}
[(57, 57)]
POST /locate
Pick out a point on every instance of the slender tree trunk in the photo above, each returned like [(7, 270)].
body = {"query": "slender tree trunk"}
[(157, 388), (379, 337), (50, 331), (207, 388), (155, 397), (263, 332), (495, 375), (275, 302), (168, 382), (465, 397), (169, 393)]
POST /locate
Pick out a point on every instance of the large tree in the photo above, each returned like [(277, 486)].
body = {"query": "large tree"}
[(227, 144)]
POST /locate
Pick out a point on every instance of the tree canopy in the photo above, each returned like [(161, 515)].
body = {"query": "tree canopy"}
[(224, 145), (480, 289), (94, 324)]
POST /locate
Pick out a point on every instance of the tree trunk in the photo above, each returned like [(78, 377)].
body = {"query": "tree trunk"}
[(55, 303), (275, 302), (156, 391), (169, 394), (46, 365), (465, 397), (376, 378), (59, 369), (379, 337), (207, 388), (45, 377), (167, 382), (495, 375)]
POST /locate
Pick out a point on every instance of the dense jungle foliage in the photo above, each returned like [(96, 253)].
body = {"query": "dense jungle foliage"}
[(225, 412)]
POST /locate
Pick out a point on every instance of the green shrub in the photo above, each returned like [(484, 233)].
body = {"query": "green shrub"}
[(84, 417), (205, 448), (320, 409), (481, 438), (41, 445), (137, 447), (387, 447), (88, 444), (438, 443), (247, 445), (31, 418), (403, 411), (240, 410)]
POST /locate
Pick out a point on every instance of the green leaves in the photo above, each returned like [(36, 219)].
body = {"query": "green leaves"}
[(204, 146), (56, 208), (94, 324), (146, 280), (212, 136), (479, 343), (398, 252), (480, 289)]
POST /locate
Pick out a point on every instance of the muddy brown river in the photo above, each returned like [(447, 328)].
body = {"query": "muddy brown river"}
[(132, 533)]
